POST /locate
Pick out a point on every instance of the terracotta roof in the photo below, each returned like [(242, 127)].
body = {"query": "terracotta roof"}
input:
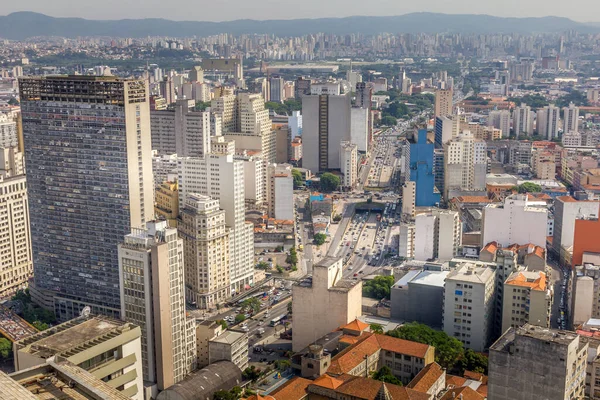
[(522, 281), (463, 393), (402, 346), (426, 377), (356, 325), (294, 389), (540, 251), (473, 199), (482, 390), (260, 397), (454, 381), (491, 247), (476, 376), (328, 382), (370, 389), (350, 339), (566, 199)]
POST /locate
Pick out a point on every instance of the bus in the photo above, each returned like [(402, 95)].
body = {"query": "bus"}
[(277, 320)]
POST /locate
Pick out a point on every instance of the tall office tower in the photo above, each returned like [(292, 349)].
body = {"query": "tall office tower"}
[(446, 129), (89, 169), (360, 128), (302, 87), (153, 297), (547, 122), (465, 165), (226, 108), (181, 130), (571, 118), (523, 120), (364, 95), (500, 120), (419, 154), (8, 132), (593, 95), (504, 79), (401, 78), (221, 177), (207, 257), (407, 86), (325, 124), (16, 265), (443, 102), (196, 74), (276, 86), (438, 235), (167, 90), (280, 191), (537, 363), (521, 71), (349, 164)]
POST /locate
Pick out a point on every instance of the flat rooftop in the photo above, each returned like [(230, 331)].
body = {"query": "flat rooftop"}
[(556, 336), (229, 337)]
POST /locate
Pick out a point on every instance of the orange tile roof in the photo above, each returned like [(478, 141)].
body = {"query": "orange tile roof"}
[(492, 247), (473, 199), (463, 393), (476, 376), (350, 339), (328, 382), (522, 281), (540, 251), (356, 325), (402, 346), (260, 397), (482, 390), (369, 389), (454, 381), (294, 389), (566, 199), (426, 377)]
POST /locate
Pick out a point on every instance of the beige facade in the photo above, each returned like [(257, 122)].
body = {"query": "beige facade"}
[(465, 164), (167, 202), (213, 343), (280, 191), (323, 302), (349, 164), (109, 349), (408, 198), (543, 164), (207, 253), (443, 102), (527, 298)]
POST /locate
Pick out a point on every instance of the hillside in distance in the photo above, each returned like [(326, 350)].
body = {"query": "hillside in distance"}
[(23, 25)]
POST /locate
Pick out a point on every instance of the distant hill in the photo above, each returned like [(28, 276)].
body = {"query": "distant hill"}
[(22, 25)]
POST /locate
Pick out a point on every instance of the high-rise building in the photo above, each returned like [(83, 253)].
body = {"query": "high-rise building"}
[(153, 297), (406, 247), (364, 96), (8, 132), (408, 198), (443, 102), (537, 363), (16, 261), (353, 77), (349, 164), (547, 122), (419, 154), (566, 211), (91, 183), (500, 119), (221, 177), (206, 241), (438, 235), (302, 87), (527, 298), (325, 124), (465, 165), (181, 130), (446, 129), (167, 90), (276, 87), (523, 120), (280, 192), (571, 118), (359, 127), (196, 74)]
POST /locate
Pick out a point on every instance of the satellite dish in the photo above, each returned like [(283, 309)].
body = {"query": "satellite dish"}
[(86, 311)]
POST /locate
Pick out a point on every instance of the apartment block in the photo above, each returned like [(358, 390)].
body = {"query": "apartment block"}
[(527, 299), (349, 164), (465, 165), (213, 344), (438, 235), (167, 202), (523, 119), (280, 192), (443, 102), (8, 132), (500, 119)]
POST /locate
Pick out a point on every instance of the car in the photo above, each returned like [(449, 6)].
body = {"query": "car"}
[(355, 274)]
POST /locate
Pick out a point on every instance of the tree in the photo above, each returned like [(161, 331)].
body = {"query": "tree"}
[(226, 395), (319, 238), (385, 375), (292, 258), (251, 304), (223, 324), (201, 105), (251, 373), (330, 182), (282, 365), (40, 326), (388, 120), (289, 307), (13, 102), (239, 318), (378, 288), (337, 218), (5, 348), (527, 187), (262, 265), (376, 328), (297, 176), (472, 361)]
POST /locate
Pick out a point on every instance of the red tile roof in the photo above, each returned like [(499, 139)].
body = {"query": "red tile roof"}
[(426, 378), (356, 325), (463, 393), (294, 389)]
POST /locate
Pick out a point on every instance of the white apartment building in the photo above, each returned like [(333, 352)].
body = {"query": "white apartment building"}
[(527, 299), (254, 178), (500, 119), (152, 282), (571, 118), (221, 177), (280, 192), (359, 127), (406, 247), (523, 120), (516, 220), (349, 164), (465, 164), (409, 193), (438, 235), (163, 167), (16, 259), (469, 296), (566, 211), (8, 132), (206, 241), (547, 122)]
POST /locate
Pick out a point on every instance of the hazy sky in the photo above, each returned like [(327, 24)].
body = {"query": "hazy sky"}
[(224, 10)]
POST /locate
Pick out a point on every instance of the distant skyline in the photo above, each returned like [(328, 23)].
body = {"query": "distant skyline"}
[(227, 10)]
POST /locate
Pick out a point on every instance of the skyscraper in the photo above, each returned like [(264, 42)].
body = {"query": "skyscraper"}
[(571, 118), (152, 297), (465, 165), (523, 120), (443, 102), (89, 171), (276, 86), (420, 156)]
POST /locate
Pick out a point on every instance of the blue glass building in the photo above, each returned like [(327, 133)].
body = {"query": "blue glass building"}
[(421, 170)]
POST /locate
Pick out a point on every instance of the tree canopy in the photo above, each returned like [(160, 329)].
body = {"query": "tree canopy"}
[(532, 100), (376, 328), (201, 105), (575, 96), (388, 120), (297, 176), (330, 182), (292, 258), (286, 107), (378, 288), (527, 187), (5, 348), (319, 238), (251, 304), (385, 375)]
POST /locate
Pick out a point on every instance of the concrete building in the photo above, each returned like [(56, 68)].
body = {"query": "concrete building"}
[(535, 363), (206, 241), (164, 168), (419, 296), (566, 211), (221, 177), (469, 299), (255, 176), (443, 103), (16, 260), (109, 349), (216, 344), (276, 86), (571, 118), (543, 164), (295, 123), (438, 235), (584, 296), (359, 127), (326, 122), (547, 122), (283, 140), (323, 302), (181, 130), (364, 97), (527, 299), (446, 129), (500, 119), (153, 298), (280, 192), (349, 164), (465, 165), (196, 74), (167, 202), (419, 154), (8, 132), (75, 230), (516, 220), (406, 238), (523, 121), (408, 199)]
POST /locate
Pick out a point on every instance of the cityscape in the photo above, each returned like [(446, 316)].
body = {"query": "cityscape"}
[(382, 207)]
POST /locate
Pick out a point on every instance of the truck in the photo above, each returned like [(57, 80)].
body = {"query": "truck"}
[(260, 331)]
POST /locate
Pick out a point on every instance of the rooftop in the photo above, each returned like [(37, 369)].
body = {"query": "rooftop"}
[(534, 280), (229, 337), (427, 377), (294, 389), (556, 336), (471, 272)]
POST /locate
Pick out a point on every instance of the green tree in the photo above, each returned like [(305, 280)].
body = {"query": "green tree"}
[(447, 349), (279, 268), (225, 395), (40, 326), (252, 304), (378, 288), (201, 105), (292, 258), (262, 265), (330, 182), (289, 307), (319, 238), (13, 102), (527, 187), (385, 375), (251, 373), (575, 96), (534, 101), (282, 365), (239, 318), (376, 328), (388, 120), (472, 361), (297, 176), (5, 349), (223, 324)]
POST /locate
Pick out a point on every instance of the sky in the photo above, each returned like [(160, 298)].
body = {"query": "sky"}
[(226, 10)]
